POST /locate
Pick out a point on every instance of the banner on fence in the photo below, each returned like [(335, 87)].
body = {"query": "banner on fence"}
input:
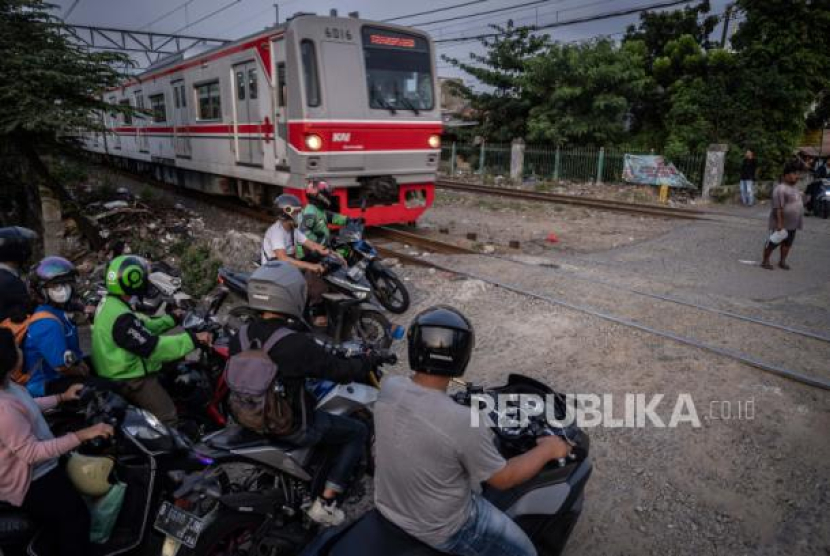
[(652, 170)]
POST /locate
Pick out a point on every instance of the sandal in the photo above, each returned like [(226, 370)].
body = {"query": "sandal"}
[(767, 266), (785, 266)]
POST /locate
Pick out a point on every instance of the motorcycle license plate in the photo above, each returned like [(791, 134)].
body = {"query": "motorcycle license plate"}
[(179, 524)]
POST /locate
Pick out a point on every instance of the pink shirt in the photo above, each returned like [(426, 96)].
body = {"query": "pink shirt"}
[(20, 448)]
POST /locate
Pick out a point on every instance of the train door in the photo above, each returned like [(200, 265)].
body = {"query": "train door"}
[(181, 120), (248, 120), (141, 123), (114, 123), (281, 105)]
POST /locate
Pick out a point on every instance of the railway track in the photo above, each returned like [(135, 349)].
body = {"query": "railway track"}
[(439, 247), (599, 204)]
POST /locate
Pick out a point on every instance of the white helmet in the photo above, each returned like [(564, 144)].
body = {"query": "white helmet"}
[(90, 474)]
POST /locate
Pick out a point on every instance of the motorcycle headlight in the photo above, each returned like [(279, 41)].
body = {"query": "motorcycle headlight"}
[(361, 295), (144, 426)]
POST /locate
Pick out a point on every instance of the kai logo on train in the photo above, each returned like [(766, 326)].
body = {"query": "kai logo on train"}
[(341, 137)]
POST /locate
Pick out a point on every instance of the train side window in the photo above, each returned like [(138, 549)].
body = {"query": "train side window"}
[(240, 85), (281, 84), (184, 96), (128, 118), (158, 108), (209, 101), (252, 88), (176, 101), (310, 75)]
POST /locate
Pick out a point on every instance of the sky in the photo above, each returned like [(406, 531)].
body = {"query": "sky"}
[(237, 18)]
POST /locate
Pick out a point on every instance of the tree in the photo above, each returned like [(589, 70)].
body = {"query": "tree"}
[(51, 89), (502, 106), (656, 30), (585, 91)]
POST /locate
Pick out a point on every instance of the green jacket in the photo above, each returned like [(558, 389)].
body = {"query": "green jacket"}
[(128, 345), (314, 223)]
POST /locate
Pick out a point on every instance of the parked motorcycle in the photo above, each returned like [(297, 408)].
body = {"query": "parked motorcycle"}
[(149, 457), (819, 202), (389, 290), (350, 313), (264, 511), (547, 507)]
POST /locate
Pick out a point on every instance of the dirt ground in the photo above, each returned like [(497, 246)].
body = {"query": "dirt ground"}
[(754, 483), (498, 221)]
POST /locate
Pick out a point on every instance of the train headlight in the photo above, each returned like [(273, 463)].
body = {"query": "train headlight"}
[(313, 142), (434, 141)]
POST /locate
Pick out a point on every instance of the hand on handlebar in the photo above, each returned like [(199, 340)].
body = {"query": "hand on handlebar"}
[(99, 430), (71, 394), (205, 338), (554, 446), (316, 269)]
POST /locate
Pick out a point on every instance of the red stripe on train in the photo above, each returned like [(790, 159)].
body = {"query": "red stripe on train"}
[(363, 136)]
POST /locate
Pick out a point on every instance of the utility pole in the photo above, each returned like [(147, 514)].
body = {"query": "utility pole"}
[(727, 15), (276, 14)]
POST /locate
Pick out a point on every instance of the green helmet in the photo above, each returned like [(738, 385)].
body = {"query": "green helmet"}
[(127, 275)]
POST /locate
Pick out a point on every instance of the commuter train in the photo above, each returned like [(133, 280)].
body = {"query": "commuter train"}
[(349, 101)]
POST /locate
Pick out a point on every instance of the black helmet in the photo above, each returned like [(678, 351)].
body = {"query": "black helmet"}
[(318, 193), (53, 279), (441, 341), (16, 244), (288, 207)]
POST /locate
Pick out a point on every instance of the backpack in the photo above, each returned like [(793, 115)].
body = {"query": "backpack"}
[(19, 330), (257, 398)]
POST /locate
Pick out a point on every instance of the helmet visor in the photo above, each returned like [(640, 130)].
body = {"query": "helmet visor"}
[(445, 348)]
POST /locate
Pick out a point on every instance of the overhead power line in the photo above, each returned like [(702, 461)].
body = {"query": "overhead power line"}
[(435, 11), (574, 21), (208, 16), (71, 9), (166, 15), (488, 12)]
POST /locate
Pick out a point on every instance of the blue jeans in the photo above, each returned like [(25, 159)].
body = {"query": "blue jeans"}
[(747, 195), (488, 532)]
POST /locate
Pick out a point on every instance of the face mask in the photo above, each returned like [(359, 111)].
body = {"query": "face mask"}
[(59, 294)]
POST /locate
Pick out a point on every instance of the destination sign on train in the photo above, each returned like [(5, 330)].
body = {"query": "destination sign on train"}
[(380, 38)]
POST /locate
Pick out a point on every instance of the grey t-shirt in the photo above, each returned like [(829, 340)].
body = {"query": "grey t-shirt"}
[(787, 198), (429, 459)]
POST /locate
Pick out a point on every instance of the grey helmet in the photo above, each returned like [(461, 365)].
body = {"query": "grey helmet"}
[(279, 287)]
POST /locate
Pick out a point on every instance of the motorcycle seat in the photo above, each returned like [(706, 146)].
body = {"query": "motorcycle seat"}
[(235, 438), (334, 296), (374, 535)]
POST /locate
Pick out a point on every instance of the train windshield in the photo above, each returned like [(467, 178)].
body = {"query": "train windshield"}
[(398, 70)]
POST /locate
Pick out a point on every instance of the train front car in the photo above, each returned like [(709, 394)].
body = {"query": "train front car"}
[(366, 118)]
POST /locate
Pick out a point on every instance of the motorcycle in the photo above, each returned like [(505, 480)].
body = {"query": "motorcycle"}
[(819, 202), (389, 290), (547, 507), (149, 457), (198, 387), (264, 511), (350, 313)]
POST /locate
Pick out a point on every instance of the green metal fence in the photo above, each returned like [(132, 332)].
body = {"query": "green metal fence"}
[(584, 164)]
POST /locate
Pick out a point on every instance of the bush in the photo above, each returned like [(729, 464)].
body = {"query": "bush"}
[(199, 268)]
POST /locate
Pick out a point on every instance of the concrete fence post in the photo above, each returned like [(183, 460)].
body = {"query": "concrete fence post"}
[(600, 164), (481, 160), (714, 170), (452, 160), (517, 160)]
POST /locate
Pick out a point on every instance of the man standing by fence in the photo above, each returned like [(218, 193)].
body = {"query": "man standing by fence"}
[(748, 168)]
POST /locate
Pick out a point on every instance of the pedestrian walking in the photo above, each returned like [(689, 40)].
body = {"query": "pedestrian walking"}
[(748, 169), (786, 215)]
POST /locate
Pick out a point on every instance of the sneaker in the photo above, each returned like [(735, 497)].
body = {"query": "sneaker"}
[(326, 513)]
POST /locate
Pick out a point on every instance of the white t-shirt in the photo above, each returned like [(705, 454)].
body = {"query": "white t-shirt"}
[(277, 237)]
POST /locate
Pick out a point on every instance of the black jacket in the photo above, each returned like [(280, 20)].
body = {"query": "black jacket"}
[(14, 297), (748, 167), (299, 357)]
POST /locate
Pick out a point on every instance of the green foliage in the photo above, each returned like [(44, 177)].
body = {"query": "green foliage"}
[(199, 269), (585, 92), (504, 105), (68, 171)]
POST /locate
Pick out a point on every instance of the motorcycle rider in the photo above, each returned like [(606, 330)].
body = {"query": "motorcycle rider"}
[(15, 252), (278, 292), (53, 359), (128, 346), (428, 455), (31, 476), (317, 215), (281, 242)]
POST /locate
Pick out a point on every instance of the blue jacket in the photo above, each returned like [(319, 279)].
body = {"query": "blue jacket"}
[(45, 346)]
